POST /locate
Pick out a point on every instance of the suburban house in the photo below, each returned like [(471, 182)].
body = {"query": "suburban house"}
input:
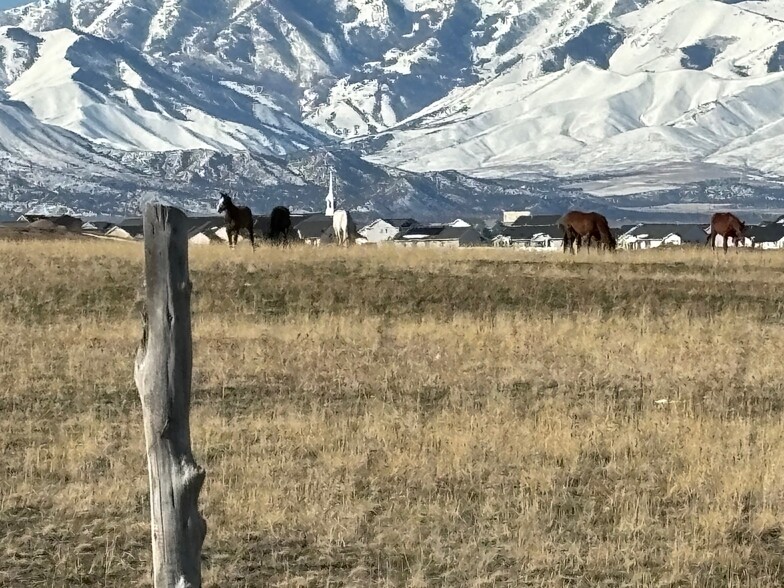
[(537, 220), (385, 229), (315, 229), (129, 228), (546, 220), (766, 237), (483, 226), (213, 229), (651, 235), (97, 226), (198, 221), (747, 241), (204, 236), (66, 221), (205, 233), (622, 230), (540, 238), (508, 217), (29, 218), (439, 236), (776, 221), (217, 227)]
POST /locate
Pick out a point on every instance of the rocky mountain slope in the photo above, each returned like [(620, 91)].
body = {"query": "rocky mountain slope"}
[(106, 102)]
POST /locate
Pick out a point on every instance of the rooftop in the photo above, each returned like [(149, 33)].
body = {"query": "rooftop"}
[(526, 232), (688, 233), (537, 220), (434, 233), (766, 234)]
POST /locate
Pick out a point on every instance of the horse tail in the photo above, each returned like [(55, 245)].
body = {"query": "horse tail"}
[(563, 224)]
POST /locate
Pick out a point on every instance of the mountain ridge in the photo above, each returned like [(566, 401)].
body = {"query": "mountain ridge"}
[(612, 103)]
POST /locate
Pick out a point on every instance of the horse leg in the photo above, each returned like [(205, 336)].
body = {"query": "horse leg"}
[(724, 242), (252, 241), (712, 240), (570, 239)]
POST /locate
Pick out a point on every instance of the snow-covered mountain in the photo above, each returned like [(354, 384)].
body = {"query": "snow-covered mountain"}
[(116, 99), (348, 67), (697, 81), (109, 93)]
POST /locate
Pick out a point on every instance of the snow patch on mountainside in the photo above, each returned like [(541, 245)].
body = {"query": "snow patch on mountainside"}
[(18, 51), (690, 82), (413, 52), (108, 93)]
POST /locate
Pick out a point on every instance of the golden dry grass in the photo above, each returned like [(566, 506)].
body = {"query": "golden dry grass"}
[(406, 418)]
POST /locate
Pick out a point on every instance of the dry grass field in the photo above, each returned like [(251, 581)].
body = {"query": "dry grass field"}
[(406, 418)]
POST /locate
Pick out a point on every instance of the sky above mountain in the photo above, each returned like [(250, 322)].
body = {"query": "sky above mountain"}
[(10, 3)]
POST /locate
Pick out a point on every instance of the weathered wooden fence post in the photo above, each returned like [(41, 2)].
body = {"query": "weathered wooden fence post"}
[(163, 377)]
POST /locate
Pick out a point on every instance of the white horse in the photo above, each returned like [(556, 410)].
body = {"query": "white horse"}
[(343, 226)]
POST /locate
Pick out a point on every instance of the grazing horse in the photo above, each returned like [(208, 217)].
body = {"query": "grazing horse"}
[(280, 225), (237, 218), (343, 227), (727, 225), (577, 226)]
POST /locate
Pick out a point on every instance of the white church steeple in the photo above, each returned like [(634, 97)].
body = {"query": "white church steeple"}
[(330, 197)]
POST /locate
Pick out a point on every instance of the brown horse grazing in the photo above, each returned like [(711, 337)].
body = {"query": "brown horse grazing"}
[(237, 218), (577, 226), (727, 225)]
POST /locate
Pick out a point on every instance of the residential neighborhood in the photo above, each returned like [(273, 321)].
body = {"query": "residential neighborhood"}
[(523, 230), (651, 235)]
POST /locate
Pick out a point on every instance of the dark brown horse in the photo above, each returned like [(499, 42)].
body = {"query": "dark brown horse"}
[(727, 225), (577, 226), (237, 218), (280, 225)]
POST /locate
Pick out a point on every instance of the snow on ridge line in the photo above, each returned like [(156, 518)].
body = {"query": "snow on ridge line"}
[(138, 113), (586, 120), (674, 79)]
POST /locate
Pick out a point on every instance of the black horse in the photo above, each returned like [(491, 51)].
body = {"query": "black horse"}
[(237, 218), (280, 225)]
